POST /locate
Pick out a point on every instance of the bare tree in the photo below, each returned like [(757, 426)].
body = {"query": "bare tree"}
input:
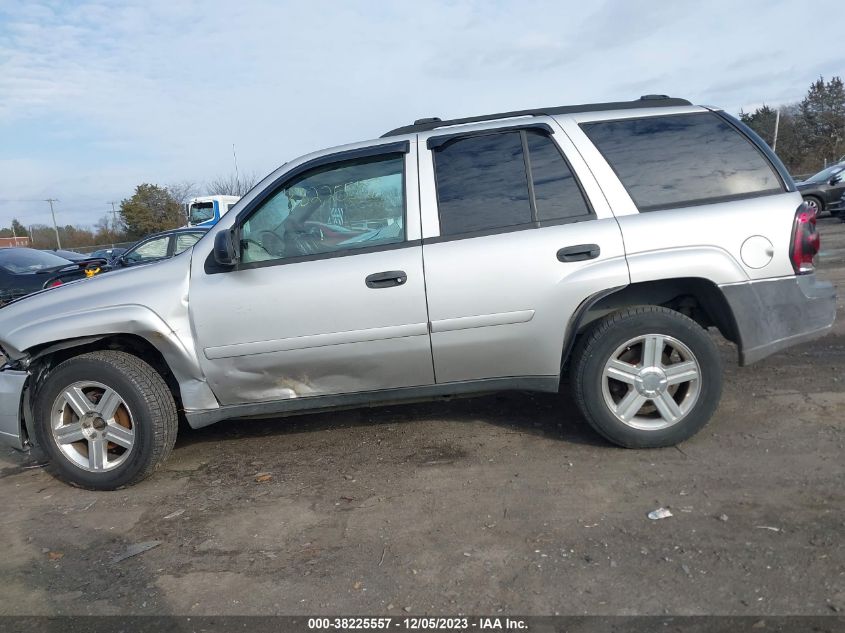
[(182, 191), (232, 184)]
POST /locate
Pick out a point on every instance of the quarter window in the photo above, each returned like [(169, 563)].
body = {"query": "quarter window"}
[(683, 159), (342, 207), (483, 183)]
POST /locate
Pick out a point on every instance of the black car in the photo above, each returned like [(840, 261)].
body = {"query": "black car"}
[(26, 270), (69, 255), (108, 253), (160, 246), (823, 191)]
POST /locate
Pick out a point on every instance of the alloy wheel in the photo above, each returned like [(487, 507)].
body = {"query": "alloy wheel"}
[(651, 382), (93, 426)]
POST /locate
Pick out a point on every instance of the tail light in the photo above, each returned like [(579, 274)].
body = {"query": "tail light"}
[(805, 240), (54, 283)]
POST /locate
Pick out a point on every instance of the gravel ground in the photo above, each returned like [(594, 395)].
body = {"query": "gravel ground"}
[(502, 504)]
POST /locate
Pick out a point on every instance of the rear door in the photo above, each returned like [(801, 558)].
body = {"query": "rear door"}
[(516, 237)]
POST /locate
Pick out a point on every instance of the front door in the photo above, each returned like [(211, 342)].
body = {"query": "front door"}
[(329, 297)]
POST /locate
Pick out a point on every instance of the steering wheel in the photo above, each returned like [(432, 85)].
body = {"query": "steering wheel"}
[(271, 243), (248, 240)]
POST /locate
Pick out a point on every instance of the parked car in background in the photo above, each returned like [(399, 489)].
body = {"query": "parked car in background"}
[(70, 255), (108, 253), (823, 190), (27, 270), (159, 246)]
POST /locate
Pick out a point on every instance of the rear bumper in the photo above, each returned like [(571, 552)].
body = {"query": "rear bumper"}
[(774, 314), (11, 395)]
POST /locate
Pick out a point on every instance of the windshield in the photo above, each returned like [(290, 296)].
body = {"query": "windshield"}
[(826, 174), (28, 260), (200, 212)]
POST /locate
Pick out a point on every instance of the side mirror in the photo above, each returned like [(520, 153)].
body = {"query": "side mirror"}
[(225, 251), (835, 180)]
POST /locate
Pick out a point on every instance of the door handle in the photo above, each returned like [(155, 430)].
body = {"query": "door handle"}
[(386, 279), (578, 253)]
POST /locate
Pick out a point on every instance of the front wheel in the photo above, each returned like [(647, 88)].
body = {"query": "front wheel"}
[(647, 377), (105, 419)]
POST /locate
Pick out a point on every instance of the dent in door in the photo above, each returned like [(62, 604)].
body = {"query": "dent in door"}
[(333, 369)]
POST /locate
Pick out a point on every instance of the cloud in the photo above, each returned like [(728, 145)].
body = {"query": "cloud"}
[(96, 97)]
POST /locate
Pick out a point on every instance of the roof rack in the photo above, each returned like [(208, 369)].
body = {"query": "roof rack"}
[(646, 101)]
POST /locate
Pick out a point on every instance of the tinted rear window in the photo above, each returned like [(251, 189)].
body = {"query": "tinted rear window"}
[(685, 159), (481, 184)]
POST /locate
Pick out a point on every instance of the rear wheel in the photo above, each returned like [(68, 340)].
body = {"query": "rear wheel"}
[(105, 420), (647, 377)]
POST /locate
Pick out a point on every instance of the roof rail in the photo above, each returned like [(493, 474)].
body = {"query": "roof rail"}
[(646, 101)]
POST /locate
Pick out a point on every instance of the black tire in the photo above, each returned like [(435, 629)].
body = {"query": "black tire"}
[(818, 202), (145, 393), (596, 346)]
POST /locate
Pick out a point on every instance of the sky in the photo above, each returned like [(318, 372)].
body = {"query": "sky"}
[(98, 97)]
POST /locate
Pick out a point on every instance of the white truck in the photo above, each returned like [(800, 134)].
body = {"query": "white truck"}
[(207, 210)]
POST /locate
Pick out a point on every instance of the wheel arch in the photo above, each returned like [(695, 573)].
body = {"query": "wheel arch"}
[(189, 390), (696, 297)]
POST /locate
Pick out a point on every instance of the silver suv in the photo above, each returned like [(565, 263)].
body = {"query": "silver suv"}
[(447, 257)]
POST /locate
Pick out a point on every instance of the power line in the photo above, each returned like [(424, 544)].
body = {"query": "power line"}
[(55, 226)]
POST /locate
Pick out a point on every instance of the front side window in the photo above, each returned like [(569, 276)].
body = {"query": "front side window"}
[(682, 159), (341, 207), (148, 251)]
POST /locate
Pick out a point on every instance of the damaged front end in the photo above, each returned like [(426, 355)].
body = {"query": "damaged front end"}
[(13, 386)]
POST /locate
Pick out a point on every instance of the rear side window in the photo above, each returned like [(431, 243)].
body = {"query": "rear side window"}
[(504, 180), (481, 183), (683, 159)]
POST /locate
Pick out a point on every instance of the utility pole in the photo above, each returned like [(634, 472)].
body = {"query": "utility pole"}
[(55, 226), (113, 217), (237, 176), (777, 125)]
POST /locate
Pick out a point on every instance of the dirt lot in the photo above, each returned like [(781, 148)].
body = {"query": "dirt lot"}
[(505, 504)]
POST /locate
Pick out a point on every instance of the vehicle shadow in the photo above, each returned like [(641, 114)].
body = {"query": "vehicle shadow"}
[(554, 416)]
